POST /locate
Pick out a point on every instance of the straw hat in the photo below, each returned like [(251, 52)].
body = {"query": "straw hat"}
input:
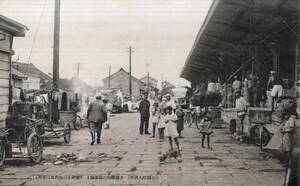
[(273, 72)]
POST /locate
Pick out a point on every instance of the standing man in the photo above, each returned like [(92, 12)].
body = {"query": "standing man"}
[(144, 109), (97, 115), (275, 85), (241, 108)]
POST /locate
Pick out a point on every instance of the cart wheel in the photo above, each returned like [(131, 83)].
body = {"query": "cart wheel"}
[(67, 132), (2, 152), (77, 123), (260, 138), (35, 148)]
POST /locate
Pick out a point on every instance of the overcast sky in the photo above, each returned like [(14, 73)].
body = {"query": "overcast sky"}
[(96, 33)]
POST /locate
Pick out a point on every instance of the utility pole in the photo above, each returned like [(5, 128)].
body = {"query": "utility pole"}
[(56, 45), (162, 80), (130, 77), (109, 74), (148, 75), (78, 69)]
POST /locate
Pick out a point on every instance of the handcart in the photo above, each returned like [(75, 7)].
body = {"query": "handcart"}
[(258, 118)]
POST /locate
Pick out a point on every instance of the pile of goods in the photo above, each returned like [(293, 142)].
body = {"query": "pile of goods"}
[(206, 99)]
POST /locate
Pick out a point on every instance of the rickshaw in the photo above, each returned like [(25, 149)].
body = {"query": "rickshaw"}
[(23, 132)]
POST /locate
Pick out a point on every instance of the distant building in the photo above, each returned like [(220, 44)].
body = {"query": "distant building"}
[(120, 80), (8, 30), (35, 78), (152, 81)]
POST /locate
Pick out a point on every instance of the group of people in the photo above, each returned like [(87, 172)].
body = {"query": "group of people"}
[(168, 118), (165, 116)]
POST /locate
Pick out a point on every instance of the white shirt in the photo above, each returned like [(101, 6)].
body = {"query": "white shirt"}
[(241, 104)]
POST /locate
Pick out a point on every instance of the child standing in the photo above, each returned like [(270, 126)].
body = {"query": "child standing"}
[(161, 124), (155, 117), (171, 127), (206, 129), (180, 116)]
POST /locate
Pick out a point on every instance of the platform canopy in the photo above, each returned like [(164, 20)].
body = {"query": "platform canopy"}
[(232, 31)]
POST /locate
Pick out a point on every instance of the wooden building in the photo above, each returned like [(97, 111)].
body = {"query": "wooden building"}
[(120, 80), (8, 30), (149, 80), (35, 78)]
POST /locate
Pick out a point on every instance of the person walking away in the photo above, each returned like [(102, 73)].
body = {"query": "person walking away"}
[(144, 109), (275, 85), (161, 124), (171, 128), (180, 116), (206, 129), (96, 115), (241, 108), (155, 118)]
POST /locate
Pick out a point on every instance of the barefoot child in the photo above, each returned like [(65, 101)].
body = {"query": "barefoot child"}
[(155, 117), (161, 124), (180, 116), (206, 129), (171, 127)]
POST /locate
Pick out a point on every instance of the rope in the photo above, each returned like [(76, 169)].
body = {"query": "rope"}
[(36, 34)]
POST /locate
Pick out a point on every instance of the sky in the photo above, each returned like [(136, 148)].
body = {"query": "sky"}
[(97, 33)]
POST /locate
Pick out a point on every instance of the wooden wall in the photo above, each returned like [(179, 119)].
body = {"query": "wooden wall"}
[(5, 55)]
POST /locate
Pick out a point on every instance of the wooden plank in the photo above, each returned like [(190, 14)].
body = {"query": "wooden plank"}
[(4, 91), (4, 74), (4, 56), (4, 108), (4, 65), (2, 125), (3, 100)]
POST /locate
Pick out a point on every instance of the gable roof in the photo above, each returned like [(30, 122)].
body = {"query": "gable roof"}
[(145, 77), (30, 69), (122, 71), (12, 27)]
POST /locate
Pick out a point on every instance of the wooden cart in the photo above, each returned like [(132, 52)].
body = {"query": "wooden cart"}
[(258, 117)]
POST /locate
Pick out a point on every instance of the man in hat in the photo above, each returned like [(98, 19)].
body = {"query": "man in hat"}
[(97, 115), (144, 109), (275, 85)]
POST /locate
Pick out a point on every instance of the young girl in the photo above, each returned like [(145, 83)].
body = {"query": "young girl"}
[(171, 127), (206, 129), (286, 129), (155, 117), (161, 124)]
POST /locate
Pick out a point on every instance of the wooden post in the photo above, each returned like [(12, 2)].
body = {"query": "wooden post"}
[(109, 74), (56, 45), (130, 81)]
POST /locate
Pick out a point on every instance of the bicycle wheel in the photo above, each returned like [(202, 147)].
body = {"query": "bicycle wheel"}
[(260, 138), (187, 120), (35, 148), (77, 123), (2, 152)]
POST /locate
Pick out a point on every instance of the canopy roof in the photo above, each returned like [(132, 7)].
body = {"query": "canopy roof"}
[(232, 28)]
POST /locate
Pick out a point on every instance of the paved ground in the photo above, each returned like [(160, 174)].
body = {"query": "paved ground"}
[(133, 159)]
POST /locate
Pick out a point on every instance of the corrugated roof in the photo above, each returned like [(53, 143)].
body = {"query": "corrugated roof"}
[(232, 27)]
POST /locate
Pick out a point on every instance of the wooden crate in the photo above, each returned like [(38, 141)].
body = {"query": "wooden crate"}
[(260, 115)]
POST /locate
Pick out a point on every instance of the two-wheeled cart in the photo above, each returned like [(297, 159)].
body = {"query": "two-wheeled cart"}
[(258, 118)]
